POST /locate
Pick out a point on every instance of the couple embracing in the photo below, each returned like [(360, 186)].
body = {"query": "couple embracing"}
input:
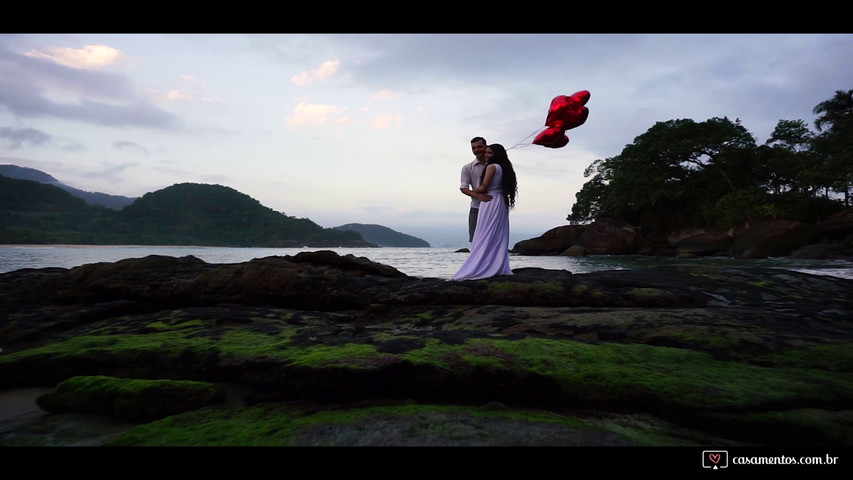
[(491, 183)]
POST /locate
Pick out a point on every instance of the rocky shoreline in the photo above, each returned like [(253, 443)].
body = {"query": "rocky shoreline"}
[(328, 349), (831, 238)]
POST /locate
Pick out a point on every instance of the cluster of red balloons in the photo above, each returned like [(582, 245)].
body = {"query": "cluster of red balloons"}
[(566, 112)]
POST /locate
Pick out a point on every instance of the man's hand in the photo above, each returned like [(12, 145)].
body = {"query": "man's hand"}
[(483, 197)]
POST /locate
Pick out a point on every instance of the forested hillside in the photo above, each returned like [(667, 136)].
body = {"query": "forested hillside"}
[(183, 214), (384, 236), (682, 173), (116, 202)]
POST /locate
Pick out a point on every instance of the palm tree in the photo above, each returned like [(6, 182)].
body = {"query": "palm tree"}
[(834, 110)]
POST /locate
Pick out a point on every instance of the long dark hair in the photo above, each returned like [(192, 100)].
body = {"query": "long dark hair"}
[(510, 182)]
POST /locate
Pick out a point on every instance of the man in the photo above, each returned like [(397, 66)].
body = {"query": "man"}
[(472, 174)]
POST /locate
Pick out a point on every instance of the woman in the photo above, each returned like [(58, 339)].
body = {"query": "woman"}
[(490, 247)]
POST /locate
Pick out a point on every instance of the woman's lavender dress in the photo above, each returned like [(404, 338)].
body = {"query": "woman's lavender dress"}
[(490, 247)]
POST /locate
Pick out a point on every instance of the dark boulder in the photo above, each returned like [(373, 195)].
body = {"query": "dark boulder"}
[(705, 244), (838, 226), (552, 242), (775, 238), (609, 237), (821, 251)]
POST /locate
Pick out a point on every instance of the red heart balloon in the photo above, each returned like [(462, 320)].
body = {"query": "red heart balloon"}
[(580, 97), (559, 143), (552, 138), (557, 112), (576, 118), (568, 112)]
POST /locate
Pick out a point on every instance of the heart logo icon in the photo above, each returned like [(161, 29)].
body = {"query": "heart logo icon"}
[(715, 457)]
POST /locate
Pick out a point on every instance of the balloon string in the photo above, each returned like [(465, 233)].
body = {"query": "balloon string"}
[(525, 138)]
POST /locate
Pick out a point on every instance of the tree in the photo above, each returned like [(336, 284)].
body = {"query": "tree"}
[(791, 135), (685, 173), (786, 156), (834, 145), (592, 194), (835, 111), (669, 174)]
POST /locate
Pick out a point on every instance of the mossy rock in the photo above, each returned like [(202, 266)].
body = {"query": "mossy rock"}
[(129, 399), (407, 424)]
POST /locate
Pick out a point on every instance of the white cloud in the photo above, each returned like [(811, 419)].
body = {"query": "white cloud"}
[(177, 95), (68, 84), (88, 57), (312, 113), (386, 121), (190, 88), (15, 138), (327, 69), (130, 147), (384, 94)]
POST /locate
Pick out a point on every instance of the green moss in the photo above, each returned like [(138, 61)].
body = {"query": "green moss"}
[(459, 326), (240, 342), (281, 425), (129, 399), (837, 358), (216, 426), (115, 344), (434, 353), (124, 386), (616, 372), (717, 342), (356, 355), (605, 372), (542, 288), (163, 326), (233, 342), (384, 337), (169, 340)]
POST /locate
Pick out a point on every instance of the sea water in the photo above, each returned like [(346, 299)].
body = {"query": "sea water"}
[(416, 262)]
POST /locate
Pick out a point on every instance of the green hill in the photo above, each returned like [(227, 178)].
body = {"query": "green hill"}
[(116, 202), (384, 236), (201, 214), (183, 214), (34, 212), (32, 196)]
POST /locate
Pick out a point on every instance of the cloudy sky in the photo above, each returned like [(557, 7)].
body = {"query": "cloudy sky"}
[(374, 128)]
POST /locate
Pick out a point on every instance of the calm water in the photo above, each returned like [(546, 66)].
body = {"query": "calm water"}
[(417, 262)]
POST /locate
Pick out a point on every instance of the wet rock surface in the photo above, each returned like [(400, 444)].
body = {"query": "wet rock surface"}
[(327, 349)]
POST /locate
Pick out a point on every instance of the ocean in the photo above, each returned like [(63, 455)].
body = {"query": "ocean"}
[(416, 262)]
